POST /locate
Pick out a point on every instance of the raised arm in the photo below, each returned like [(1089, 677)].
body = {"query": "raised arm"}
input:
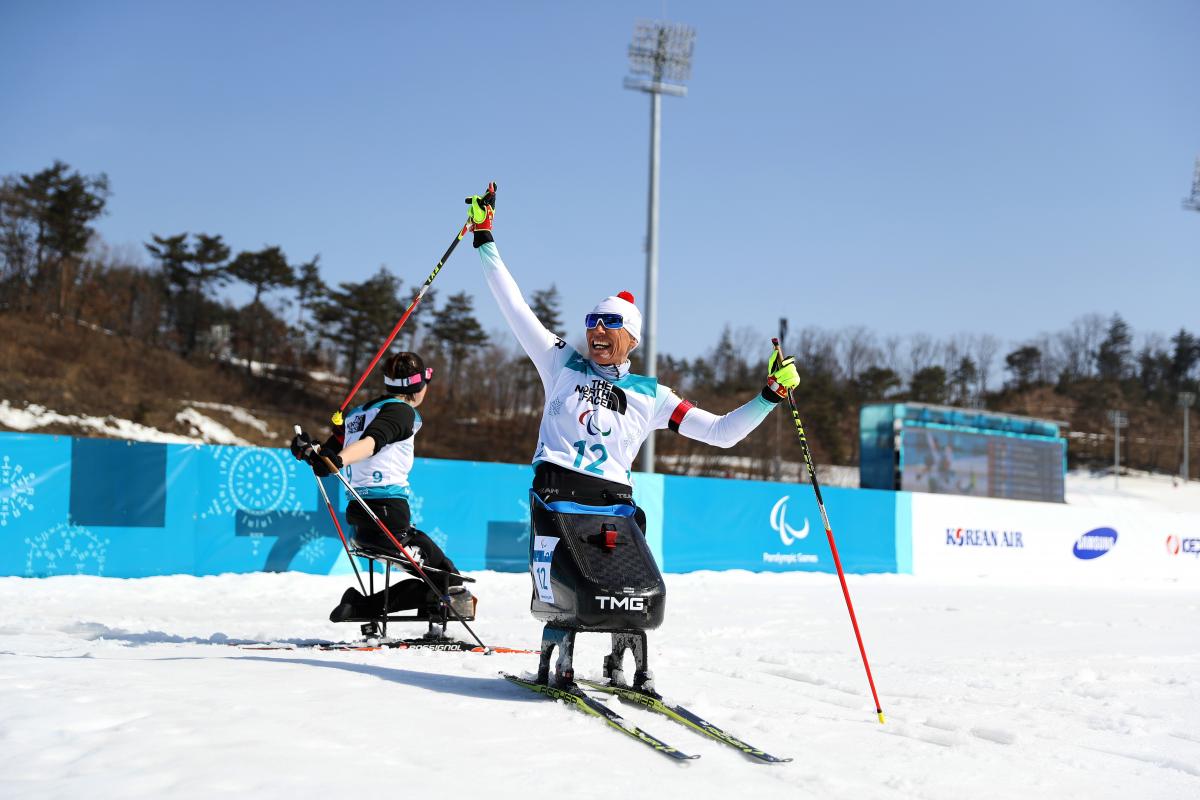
[(540, 344), (726, 430)]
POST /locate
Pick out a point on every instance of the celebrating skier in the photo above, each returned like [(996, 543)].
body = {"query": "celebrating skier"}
[(597, 414), (375, 447)]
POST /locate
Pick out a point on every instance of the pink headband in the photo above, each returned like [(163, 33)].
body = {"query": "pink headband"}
[(412, 380)]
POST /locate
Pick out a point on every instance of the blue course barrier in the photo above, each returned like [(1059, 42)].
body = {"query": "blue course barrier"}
[(131, 509), (731, 524)]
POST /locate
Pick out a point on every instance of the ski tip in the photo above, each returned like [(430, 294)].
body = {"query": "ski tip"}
[(879, 711)]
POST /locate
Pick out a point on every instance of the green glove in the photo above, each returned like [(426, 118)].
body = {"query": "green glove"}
[(482, 213), (782, 376)]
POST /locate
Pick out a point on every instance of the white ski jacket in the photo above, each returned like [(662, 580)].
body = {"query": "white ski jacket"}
[(595, 417)]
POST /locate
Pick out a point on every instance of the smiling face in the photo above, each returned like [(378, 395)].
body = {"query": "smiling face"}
[(609, 348)]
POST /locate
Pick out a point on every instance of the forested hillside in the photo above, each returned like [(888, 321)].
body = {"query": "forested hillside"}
[(87, 330)]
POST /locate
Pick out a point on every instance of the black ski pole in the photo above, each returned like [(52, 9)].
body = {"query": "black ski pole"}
[(812, 474), (312, 446)]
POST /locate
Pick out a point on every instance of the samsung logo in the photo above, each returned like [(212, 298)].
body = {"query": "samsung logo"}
[(1095, 543)]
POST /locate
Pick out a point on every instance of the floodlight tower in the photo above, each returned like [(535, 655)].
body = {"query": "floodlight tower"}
[(1186, 399), (1118, 420), (661, 52)]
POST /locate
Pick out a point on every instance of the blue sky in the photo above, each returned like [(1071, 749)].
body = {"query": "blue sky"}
[(944, 167)]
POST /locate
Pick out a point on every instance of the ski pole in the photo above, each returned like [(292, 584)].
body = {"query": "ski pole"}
[(342, 536), (337, 415), (837, 562), (346, 545), (312, 446)]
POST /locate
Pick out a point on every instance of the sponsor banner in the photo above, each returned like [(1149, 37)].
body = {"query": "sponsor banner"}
[(733, 524), (963, 537)]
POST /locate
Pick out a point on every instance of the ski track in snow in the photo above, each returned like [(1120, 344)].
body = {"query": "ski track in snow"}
[(130, 689)]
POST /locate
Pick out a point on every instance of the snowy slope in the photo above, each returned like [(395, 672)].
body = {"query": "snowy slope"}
[(1136, 490), (122, 688)]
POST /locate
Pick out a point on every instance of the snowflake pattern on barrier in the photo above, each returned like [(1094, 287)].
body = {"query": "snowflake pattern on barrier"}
[(312, 547), (415, 503), (65, 549), (16, 491), (258, 482), (440, 538)]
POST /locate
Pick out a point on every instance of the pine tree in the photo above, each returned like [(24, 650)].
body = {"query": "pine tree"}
[(929, 385), (358, 317), (264, 270), (309, 288), (545, 304), (455, 326), (1185, 353), (45, 227), (1113, 357), (190, 273), (1024, 364), (961, 380)]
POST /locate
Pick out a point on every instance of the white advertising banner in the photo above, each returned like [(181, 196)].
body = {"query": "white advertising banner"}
[(967, 536)]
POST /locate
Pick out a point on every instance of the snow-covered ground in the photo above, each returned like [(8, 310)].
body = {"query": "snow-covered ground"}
[(1134, 490), (125, 688), (203, 429)]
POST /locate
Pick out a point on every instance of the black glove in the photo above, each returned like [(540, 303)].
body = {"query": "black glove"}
[(320, 468), (299, 445), (306, 450)]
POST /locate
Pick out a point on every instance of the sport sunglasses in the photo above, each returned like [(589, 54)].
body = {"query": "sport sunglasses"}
[(611, 321)]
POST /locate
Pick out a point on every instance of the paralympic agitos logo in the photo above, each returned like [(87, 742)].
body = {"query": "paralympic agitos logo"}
[(588, 420), (787, 534)]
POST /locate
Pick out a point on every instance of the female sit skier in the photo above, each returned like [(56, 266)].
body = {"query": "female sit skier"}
[(597, 414), (375, 448)]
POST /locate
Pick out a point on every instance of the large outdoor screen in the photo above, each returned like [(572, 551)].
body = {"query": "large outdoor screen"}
[(996, 465)]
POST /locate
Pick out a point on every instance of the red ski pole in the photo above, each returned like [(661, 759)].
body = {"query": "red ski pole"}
[(341, 535), (337, 415), (837, 562)]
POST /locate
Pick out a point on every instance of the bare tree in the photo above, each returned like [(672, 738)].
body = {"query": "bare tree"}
[(1051, 362), (1079, 344), (857, 351), (892, 359), (816, 351), (983, 349), (922, 353)]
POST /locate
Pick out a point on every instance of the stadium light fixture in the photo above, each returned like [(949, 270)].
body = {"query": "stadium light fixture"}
[(661, 53)]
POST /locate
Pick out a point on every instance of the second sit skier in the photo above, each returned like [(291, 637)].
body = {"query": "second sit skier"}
[(375, 448)]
